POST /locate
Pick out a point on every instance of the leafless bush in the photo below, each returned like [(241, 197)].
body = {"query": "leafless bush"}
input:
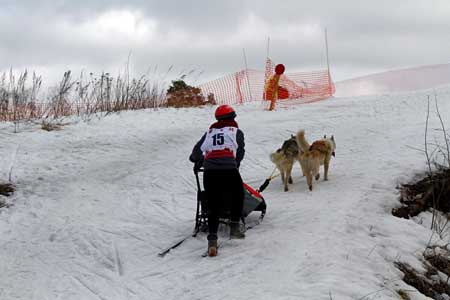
[(432, 190), (438, 223)]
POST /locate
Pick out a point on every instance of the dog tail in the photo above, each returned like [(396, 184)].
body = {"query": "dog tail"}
[(301, 140)]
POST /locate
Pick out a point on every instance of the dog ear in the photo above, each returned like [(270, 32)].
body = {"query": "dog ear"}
[(325, 136), (332, 138)]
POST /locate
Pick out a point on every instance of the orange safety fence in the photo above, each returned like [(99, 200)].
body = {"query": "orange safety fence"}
[(301, 87), (229, 89), (254, 85)]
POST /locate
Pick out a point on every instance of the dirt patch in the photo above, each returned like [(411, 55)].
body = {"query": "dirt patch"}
[(6, 189), (434, 282), (403, 294), (428, 191), (47, 126)]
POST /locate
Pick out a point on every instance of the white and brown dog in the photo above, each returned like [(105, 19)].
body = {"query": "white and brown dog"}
[(284, 159), (313, 156)]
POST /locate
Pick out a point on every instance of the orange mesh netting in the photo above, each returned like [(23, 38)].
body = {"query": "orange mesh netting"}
[(302, 87), (254, 85)]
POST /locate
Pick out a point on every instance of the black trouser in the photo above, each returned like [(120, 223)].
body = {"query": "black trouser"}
[(223, 188)]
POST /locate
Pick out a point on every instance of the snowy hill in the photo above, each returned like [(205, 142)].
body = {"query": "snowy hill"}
[(97, 201), (403, 80)]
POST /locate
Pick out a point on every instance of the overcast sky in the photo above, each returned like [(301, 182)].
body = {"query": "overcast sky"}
[(52, 36)]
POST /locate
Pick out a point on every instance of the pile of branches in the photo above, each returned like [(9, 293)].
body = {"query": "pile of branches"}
[(432, 191), (180, 94)]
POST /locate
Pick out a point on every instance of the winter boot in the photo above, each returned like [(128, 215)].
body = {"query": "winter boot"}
[(235, 232), (212, 245)]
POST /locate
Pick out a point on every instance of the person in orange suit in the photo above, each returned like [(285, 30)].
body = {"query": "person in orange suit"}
[(273, 90)]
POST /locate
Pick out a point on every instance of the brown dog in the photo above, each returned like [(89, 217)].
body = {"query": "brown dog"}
[(284, 158), (314, 155)]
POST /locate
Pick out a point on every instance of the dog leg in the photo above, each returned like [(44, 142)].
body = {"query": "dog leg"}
[(286, 179), (288, 174), (326, 164), (309, 180), (316, 172)]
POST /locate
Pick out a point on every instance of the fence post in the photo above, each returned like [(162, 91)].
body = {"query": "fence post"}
[(246, 75)]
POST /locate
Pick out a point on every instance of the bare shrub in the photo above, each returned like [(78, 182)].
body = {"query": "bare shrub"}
[(433, 189), (182, 95)]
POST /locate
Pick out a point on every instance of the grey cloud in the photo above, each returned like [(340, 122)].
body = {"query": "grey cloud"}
[(363, 35)]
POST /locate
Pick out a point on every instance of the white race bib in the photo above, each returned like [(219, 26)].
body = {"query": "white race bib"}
[(220, 142)]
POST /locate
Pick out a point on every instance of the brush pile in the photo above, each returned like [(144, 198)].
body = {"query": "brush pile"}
[(182, 95), (431, 191)]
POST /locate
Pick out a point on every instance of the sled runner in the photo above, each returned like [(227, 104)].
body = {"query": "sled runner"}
[(253, 201)]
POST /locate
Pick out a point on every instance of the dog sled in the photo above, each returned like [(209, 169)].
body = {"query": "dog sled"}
[(253, 201)]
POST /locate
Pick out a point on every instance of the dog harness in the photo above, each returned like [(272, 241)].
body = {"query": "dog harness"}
[(220, 142)]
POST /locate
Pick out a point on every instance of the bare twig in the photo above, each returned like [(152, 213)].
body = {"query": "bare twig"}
[(443, 129), (429, 161)]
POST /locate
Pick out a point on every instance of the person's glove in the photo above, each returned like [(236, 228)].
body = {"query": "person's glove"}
[(198, 165)]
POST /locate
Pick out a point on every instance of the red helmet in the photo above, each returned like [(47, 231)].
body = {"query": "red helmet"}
[(279, 69), (225, 112)]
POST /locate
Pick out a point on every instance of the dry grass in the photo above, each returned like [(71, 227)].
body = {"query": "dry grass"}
[(88, 95)]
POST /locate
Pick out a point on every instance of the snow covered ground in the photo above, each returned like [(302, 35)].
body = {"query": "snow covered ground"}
[(395, 81), (97, 201)]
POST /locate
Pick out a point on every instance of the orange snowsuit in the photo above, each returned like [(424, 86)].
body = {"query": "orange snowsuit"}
[(273, 90)]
